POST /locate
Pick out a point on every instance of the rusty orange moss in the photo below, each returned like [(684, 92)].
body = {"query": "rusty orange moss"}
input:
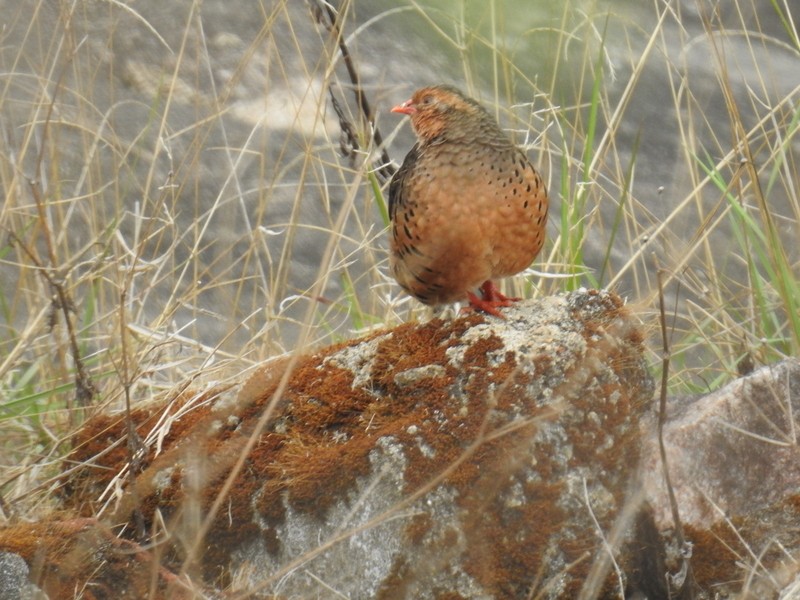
[(71, 557), (101, 445), (723, 555), (316, 447)]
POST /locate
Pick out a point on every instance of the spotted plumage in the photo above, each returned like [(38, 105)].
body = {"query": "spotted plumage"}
[(467, 206)]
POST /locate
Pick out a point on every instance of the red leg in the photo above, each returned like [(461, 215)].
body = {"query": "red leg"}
[(491, 299), (482, 305), (490, 293)]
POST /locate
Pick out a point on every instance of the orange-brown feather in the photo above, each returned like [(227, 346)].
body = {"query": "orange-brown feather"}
[(466, 205)]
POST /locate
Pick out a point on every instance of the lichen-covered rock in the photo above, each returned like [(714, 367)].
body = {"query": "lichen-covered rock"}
[(734, 464), (14, 573), (473, 458), (725, 446), (71, 558)]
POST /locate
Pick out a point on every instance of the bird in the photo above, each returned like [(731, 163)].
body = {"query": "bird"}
[(466, 207)]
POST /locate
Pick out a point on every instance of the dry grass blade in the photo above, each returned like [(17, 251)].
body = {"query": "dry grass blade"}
[(176, 207)]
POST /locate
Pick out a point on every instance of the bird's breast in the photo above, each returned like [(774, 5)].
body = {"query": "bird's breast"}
[(468, 212)]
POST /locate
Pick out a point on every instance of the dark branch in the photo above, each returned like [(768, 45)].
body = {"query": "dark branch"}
[(328, 17)]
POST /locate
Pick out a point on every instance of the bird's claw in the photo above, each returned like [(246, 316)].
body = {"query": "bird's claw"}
[(490, 301), (490, 293)]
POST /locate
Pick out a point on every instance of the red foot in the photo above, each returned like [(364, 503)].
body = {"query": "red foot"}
[(490, 293), (491, 299)]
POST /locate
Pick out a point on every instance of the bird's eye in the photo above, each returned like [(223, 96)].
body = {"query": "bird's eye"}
[(427, 100)]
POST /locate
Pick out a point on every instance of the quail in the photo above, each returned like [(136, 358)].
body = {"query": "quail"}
[(466, 206)]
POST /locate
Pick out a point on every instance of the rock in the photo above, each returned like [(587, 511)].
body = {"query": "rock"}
[(474, 457), (735, 468), (14, 583), (79, 558)]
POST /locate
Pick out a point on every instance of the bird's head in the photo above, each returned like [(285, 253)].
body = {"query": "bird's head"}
[(440, 110)]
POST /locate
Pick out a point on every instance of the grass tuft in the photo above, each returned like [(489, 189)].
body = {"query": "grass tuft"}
[(182, 204)]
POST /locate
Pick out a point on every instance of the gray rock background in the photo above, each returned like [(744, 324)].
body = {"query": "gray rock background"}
[(220, 155)]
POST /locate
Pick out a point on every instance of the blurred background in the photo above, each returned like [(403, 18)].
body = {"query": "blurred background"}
[(181, 198)]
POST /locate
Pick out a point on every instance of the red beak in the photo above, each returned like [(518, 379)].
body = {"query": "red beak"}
[(407, 108)]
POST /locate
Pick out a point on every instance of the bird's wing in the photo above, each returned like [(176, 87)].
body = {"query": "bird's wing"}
[(398, 183)]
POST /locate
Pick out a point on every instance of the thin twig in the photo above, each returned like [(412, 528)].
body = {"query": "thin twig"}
[(683, 581), (136, 449), (330, 18), (61, 301), (85, 389)]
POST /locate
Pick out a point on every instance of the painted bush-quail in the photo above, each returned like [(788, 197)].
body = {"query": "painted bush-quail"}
[(466, 207)]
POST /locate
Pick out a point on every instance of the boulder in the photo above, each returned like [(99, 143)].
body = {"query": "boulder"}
[(735, 469), (473, 457)]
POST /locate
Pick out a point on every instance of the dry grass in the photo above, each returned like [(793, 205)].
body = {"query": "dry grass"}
[(176, 207)]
